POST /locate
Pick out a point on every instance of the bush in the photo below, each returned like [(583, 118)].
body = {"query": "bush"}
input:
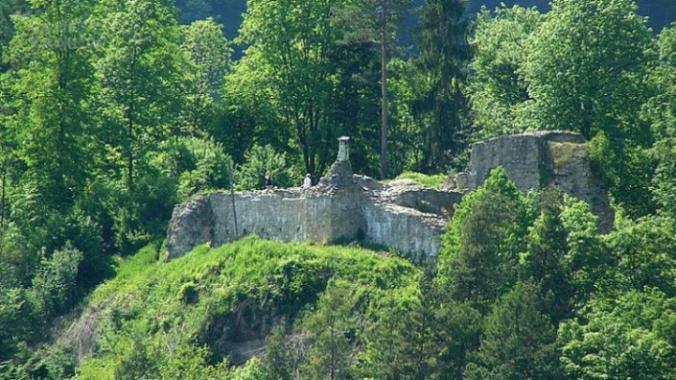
[(200, 165), (261, 159), (54, 289)]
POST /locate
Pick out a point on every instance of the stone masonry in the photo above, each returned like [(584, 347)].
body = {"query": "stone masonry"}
[(401, 215), (540, 160), (343, 207)]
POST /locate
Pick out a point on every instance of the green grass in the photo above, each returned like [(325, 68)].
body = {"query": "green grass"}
[(153, 305), (433, 181)]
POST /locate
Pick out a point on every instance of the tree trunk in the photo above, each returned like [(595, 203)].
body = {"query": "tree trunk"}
[(383, 90), (130, 147), (2, 206), (3, 192)]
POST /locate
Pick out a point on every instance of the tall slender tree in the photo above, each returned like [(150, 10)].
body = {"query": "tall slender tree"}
[(139, 74), (49, 89), (209, 56), (290, 45), (378, 22), (444, 52)]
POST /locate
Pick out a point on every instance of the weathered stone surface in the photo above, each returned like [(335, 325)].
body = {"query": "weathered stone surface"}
[(400, 215), (343, 207), (540, 160)]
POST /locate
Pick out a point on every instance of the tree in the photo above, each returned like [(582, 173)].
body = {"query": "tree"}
[(197, 165), (518, 340), (138, 74), (49, 91), (646, 253), (289, 46), (421, 334), (480, 247), (543, 261), (7, 9), (497, 89), (588, 260), (586, 66), (377, 22), (660, 112), (259, 161), (586, 70), (209, 60), (330, 329), (280, 360), (628, 335), (54, 287), (443, 56)]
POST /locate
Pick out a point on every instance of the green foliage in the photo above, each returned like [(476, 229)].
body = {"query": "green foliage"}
[(145, 310), (209, 60), (442, 59), (198, 164), (15, 317), (111, 113), (54, 284), (263, 159), (25, 312), (432, 181), (646, 253), (280, 361), (518, 341), (290, 52), (481, 246), (139, 77), (330, 328), (588, 260), (543, 261), (49, 85), (497, 90), (660, 111), (586, 67), (420, 332), (627, 336)]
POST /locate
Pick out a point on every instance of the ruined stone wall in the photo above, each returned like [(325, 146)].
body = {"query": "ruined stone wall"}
[(401, 215), (284, 215), (343, 207), (540, 160)]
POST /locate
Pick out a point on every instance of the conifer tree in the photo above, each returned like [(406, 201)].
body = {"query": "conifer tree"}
[(443, 56), (518, 340)]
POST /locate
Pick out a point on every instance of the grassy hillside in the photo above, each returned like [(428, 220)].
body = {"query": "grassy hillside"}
[(214, 305)]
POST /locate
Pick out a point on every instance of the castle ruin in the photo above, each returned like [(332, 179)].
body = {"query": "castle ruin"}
[(401, 215)]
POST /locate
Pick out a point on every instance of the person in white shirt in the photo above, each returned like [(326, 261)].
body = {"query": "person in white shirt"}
[(307, 182)]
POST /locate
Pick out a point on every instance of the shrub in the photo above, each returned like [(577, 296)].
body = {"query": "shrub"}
[(261, 159), (54, 288)]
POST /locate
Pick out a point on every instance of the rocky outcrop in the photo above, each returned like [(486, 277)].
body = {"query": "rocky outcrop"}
[(541, 160)]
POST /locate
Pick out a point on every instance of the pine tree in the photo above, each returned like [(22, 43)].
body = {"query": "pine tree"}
[(444, 52), (330, 328), (543, 262), (518, 341)]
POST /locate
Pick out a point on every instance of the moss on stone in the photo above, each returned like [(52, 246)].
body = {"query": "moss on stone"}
[(562, 153), (432, 181)]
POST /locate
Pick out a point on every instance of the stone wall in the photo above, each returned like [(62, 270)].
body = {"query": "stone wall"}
[(400, 215), (540, 160), (343, 207)]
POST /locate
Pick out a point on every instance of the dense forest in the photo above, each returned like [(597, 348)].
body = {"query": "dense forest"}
[(114, 111)]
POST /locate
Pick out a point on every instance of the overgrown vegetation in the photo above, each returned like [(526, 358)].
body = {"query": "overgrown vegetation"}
[(185, 318), (432, 181), (111, 112)]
